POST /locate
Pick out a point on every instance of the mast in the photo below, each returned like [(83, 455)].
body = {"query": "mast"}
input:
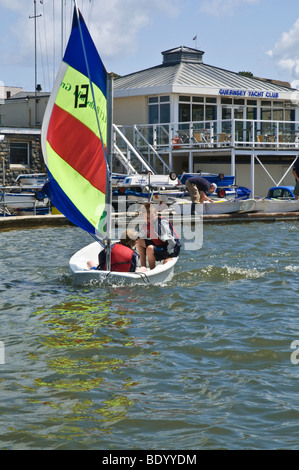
[(109, 167), (61, 28), (35, 59), (109, 146)]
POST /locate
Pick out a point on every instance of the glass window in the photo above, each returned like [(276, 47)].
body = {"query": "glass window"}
[(198, 112), (153, 114), (19, 153), (165, 113), (211, 112), (251, 113), (239, 101), (266, 114), (226, 101), (159, 109), (184, 98), (289, 115), (278, 114), (226, 113), (184, 112)]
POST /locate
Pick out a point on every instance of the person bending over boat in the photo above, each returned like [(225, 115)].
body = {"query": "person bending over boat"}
[(123, 257), (157, 240), (296, 175), (198, 188)]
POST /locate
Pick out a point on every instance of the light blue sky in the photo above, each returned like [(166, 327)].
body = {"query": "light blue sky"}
[(261, 36)]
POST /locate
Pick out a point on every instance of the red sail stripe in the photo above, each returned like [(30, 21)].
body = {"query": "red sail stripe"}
[(76, 152)]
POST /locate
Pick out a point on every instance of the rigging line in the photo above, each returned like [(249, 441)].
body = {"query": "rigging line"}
[(47, 74), (54, 51), (90, 82), (90, 12), (41, 54)]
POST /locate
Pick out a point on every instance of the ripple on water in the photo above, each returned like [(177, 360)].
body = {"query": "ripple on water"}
[(203, 361)]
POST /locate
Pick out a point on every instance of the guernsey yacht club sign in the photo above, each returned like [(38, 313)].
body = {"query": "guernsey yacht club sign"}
[(249, 93)]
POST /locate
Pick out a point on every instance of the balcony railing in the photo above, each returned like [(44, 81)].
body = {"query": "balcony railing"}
[(237, 133)]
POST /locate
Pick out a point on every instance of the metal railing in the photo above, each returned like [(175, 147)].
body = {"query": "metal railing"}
[(127, 153), (218, 134)]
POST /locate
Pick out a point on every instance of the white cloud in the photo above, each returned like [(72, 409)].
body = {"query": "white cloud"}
[(115, 26), (285, 52), (223, 7)]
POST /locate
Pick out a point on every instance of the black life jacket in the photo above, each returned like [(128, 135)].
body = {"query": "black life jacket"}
[(154, 237)]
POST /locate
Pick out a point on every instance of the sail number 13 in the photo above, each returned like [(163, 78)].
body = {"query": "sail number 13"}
[(82, 94)]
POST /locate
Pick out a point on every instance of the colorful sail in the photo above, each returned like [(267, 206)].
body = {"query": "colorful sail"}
[(74, 133)]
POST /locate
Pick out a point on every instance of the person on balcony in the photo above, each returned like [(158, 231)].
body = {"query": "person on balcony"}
[(198, 188)]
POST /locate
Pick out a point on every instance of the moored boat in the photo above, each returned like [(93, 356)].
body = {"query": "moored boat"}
[(219, 206), (13, 199), (35, 180), (144, 188), (276, 205)]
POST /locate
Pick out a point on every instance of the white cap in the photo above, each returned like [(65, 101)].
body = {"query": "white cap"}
[(215, 186)]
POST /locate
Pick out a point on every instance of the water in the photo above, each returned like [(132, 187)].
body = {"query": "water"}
[(202, 363)]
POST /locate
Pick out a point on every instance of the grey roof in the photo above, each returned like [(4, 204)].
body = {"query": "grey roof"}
[(28, 94), (193, 73)]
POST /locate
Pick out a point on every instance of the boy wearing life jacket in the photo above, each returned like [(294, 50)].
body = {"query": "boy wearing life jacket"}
[(123, 257), (157, 240)]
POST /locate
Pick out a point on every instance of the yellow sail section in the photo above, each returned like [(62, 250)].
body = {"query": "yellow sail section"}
[(84, 195), (75, 97)]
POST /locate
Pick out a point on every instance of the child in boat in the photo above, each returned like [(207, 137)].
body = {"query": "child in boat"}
[(123, 257), (157, 240)]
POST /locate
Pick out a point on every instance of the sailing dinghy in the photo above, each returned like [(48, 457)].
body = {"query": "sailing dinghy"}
[(76, 144)]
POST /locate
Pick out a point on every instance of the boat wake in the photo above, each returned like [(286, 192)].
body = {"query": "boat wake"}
[(293, 269), (231, 273), (217, 274)]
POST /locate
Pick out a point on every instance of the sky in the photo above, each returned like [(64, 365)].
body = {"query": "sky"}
[(259, 36)]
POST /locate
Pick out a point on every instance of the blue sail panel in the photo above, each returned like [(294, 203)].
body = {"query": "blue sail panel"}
[(60, 200), (75, 54)]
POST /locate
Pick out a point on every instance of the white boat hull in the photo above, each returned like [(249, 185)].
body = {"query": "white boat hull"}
[(21, 201), (156, 198), (221, 206), (82, 275), (276, 205), (32, 179)]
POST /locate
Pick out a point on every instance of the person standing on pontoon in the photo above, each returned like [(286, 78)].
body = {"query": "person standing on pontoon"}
[(198, 188)]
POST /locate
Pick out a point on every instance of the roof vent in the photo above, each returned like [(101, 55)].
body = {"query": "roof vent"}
[(182, 54)]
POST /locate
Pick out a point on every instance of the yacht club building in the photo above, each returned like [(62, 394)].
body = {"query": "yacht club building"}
[(185, 115)]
